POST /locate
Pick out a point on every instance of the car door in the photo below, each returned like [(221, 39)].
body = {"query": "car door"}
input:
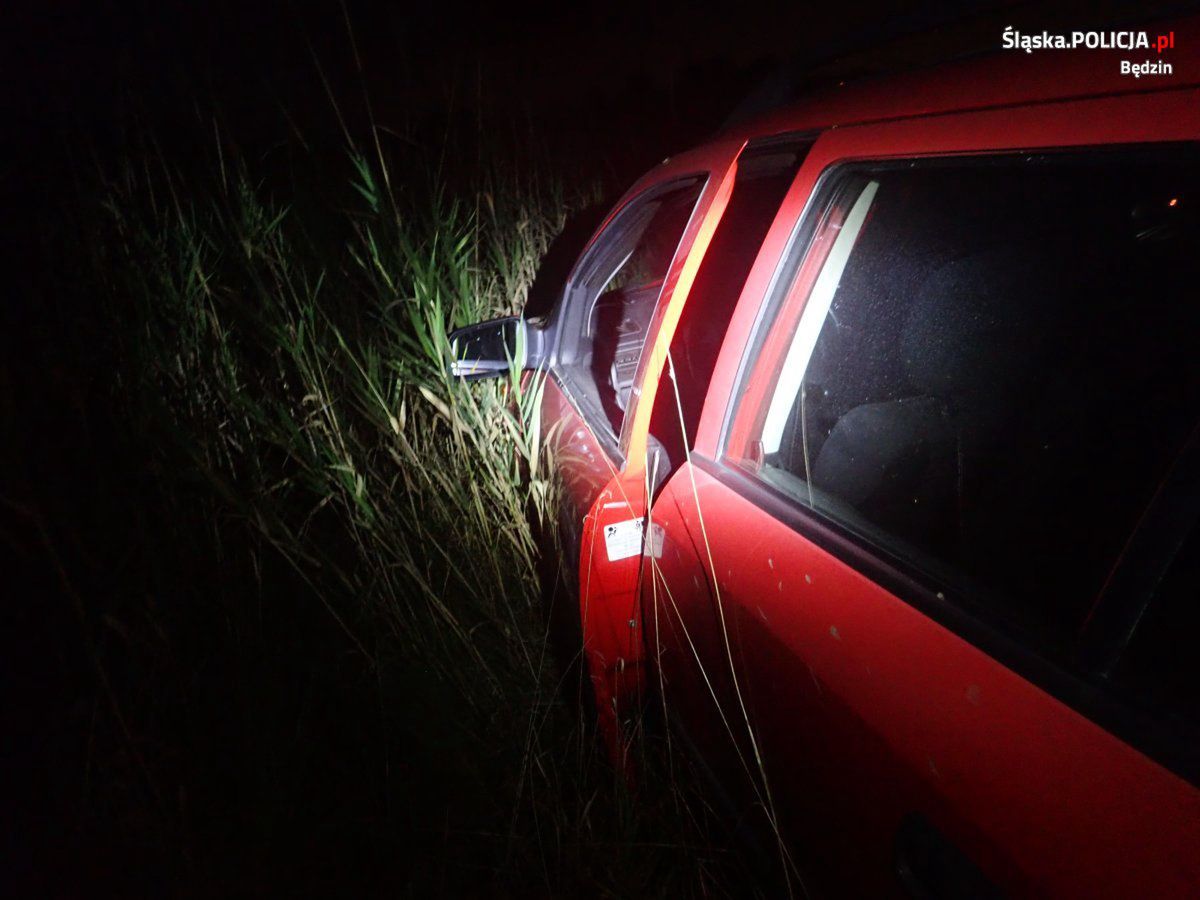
[(617, 299), (955, 386), (708, 280)]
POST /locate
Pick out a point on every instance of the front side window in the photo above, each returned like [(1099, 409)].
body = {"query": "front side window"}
[(611, 300), (984, 368)]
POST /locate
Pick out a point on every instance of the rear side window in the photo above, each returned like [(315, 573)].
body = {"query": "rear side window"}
[(1160, 662), (984, 368)]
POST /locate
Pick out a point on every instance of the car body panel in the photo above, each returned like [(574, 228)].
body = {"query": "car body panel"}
[(900, 714)]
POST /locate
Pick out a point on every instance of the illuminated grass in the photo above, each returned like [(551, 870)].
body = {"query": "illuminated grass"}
[(289, 371)]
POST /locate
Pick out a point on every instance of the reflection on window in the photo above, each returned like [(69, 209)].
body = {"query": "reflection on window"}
[(795, 363), (765, 172), (621, 289), (986, 367)]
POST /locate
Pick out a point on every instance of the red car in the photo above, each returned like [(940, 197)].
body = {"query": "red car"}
[(881, 418)]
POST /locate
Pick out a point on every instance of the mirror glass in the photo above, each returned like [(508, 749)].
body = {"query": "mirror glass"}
[(487, 349)]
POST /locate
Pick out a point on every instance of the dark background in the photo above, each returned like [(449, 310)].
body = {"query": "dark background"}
[(605, 92)]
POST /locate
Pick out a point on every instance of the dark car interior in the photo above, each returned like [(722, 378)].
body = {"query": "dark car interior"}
[(611, 301), (1006, 361), (617, 328)]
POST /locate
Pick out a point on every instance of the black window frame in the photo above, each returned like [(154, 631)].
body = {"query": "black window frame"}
[(1081, 682)]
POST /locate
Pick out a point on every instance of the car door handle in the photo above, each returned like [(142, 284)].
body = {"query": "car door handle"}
[(929, 866)]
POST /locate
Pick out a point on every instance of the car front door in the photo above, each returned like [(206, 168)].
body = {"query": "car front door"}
[(951, 395), (619, 300), (704, 289)]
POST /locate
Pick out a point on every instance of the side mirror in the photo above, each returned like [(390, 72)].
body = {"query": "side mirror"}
[(490, 349)]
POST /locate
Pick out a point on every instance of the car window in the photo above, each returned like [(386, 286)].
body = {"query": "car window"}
[(1160, 663), (611, 299), (984, 367), (764, 174)]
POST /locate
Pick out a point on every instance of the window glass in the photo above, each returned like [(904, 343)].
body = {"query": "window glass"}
[(1160, 663), (614, 296), (984, 367), (764, 174)]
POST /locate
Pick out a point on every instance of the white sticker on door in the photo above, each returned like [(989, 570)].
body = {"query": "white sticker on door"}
[(623, 539)]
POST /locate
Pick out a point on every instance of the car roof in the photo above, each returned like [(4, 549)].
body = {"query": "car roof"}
[(988, 81)]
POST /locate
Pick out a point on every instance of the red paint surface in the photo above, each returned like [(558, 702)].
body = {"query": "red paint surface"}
[(866, 710)]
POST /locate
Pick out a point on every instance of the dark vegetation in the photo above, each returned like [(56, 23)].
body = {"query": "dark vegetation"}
[(274, 613)]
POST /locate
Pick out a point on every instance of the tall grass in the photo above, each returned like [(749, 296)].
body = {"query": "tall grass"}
[(283, 359)]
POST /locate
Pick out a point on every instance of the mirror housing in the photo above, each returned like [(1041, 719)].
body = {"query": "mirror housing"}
[(490, 349)]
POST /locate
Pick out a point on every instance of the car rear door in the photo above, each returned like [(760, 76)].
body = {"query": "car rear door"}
[(957, 382)]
